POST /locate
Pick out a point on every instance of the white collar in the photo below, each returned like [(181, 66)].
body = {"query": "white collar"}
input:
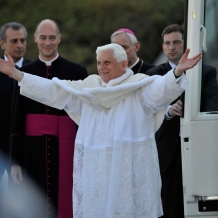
[(48, 63), (172, 65), (19, 63), (118, 80), (134, 64)]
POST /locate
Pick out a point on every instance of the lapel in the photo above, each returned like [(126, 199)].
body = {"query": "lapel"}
[(25, 61), (167, 67)]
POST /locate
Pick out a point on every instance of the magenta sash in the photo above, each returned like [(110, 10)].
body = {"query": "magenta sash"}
[(65, 129)]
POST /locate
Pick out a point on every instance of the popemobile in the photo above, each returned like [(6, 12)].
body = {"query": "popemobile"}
[(199, 129)]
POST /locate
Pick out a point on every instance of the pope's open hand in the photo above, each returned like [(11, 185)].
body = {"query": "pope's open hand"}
[(7, 67), (186, 63)]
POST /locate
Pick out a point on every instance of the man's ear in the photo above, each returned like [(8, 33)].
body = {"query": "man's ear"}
[(163, 48), (35, 37), (124, 64), (59, 38), (137, 46), (2, 44)]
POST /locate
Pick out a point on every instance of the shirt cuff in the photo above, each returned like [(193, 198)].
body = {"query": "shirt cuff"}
[(182, 81), (175, 74), (167, 116)]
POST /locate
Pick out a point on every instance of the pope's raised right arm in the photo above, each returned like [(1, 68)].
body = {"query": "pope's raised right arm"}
[(8, 68)]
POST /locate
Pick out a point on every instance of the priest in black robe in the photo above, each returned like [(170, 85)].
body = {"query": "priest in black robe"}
[(127, 39), (41, 139)]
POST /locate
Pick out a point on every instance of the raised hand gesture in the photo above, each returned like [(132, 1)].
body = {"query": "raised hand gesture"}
[(8, 68), (186, 63)]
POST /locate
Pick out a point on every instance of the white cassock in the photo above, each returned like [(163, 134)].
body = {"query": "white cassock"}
[(116, 169)]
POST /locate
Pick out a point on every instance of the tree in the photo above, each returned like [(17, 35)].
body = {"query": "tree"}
[(86, 24)]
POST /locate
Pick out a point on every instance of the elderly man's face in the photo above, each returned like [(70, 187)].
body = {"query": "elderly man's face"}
[(131, 50), (108, 67)]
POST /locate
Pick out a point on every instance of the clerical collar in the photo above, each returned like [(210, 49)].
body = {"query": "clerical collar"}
[(48, 63), (134, 64), (19, 63), (172, 65), (118, 80)]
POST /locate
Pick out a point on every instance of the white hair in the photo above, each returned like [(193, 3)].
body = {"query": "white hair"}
[(132, 38), (118, 51)]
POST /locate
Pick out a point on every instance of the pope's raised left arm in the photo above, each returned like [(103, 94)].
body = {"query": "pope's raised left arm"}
[(164, 89), (186, 63)]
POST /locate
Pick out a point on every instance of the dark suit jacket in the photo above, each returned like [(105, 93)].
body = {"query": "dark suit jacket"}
[(168, 135), (6, 89)]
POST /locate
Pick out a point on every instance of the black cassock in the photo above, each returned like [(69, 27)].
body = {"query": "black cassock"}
[(142, 67), (42, 142)]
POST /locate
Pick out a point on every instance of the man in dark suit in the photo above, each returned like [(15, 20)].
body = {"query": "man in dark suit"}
[(13, 40), (127, 39), (168, 136)]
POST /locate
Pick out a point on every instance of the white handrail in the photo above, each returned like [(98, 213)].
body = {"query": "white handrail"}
[(204, 47)]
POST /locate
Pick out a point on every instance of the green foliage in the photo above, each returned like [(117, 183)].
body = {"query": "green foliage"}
[(86, 24)]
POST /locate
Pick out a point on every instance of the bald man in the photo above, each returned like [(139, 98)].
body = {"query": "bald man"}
[(41, 146)]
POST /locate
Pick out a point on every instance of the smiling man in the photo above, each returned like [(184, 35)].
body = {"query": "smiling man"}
[(108, 66), (41, 148), (116, 170)]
